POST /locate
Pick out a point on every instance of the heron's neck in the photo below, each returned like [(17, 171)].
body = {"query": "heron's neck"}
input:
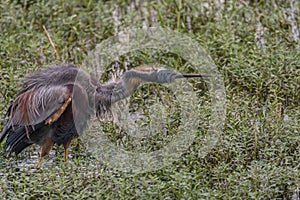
[(124, 89)]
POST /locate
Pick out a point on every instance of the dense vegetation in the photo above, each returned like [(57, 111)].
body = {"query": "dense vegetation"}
[(254, 44)]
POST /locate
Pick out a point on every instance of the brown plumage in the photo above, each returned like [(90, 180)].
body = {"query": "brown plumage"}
[(56, 103)]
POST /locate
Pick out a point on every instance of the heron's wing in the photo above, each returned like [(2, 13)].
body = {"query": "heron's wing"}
[(35, 106), (40, 107)]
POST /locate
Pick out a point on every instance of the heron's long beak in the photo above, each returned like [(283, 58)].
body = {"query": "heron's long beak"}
[(192, 75), (196, 75)]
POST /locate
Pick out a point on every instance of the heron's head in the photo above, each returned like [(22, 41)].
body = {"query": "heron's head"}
[(150, 74), (156, 75)]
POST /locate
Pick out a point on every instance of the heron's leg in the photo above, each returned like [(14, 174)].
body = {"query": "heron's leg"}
[(46, 148), (66, 146)]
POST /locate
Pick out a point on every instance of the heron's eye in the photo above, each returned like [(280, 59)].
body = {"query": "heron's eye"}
[(152, 70), (149, 70)]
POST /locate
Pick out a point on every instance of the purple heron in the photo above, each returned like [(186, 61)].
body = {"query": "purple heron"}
[(56, 103)]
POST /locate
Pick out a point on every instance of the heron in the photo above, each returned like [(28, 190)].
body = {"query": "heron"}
[(56, 103)]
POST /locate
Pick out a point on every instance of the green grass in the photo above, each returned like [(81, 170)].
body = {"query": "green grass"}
[(255, 46)]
